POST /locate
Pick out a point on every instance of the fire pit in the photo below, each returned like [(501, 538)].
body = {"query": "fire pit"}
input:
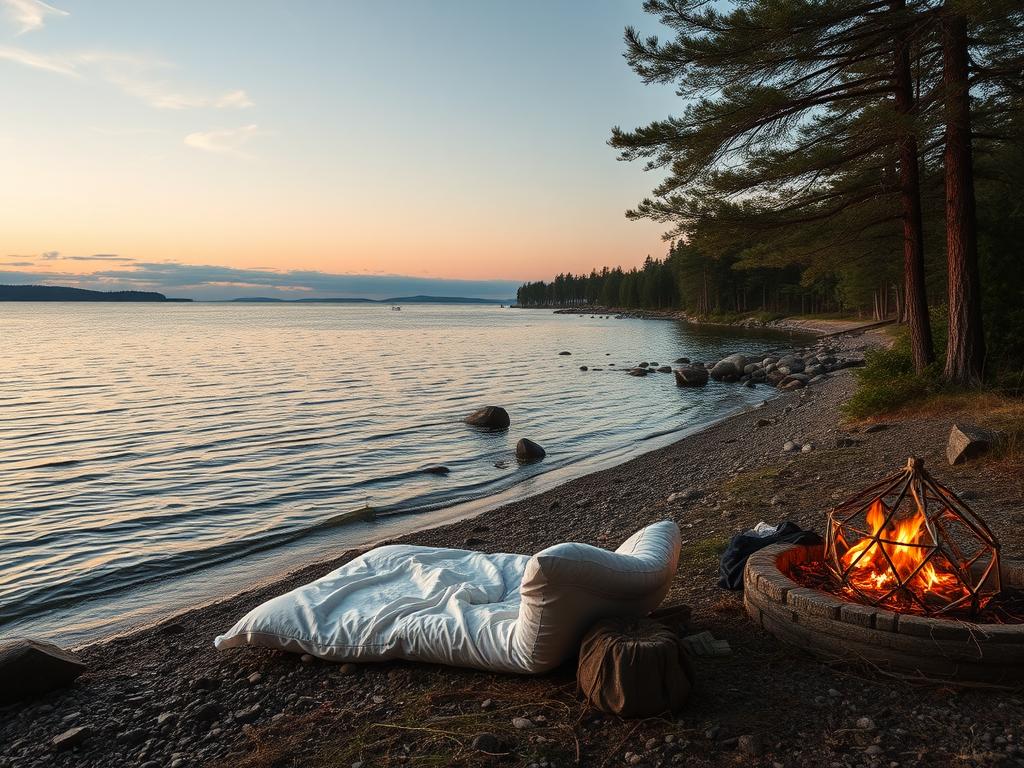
[(909, 580)]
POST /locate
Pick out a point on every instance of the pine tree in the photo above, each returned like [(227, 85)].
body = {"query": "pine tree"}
[(790, 95)]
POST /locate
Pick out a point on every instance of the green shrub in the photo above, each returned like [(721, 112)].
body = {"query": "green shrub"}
[(888, 381)]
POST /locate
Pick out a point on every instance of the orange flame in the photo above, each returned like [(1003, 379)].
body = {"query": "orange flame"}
[(889, 558)]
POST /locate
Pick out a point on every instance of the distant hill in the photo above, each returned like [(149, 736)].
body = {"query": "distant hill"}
[(63, 293), (396, 300)]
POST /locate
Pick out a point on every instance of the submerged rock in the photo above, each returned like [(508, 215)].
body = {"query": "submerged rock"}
[(691, 377), (489, 417), (527, 450), (29, 668), (437, 469), (637, 371), (665, 369)]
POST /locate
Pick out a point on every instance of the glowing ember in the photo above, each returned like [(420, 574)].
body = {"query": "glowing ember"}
[(910, 544)]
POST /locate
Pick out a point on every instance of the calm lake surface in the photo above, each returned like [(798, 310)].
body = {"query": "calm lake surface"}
[(156, 456)]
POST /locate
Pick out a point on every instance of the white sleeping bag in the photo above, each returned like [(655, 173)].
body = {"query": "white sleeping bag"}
[(506, 613)]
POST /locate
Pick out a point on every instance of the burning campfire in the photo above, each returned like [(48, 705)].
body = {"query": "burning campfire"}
[(910, 545)]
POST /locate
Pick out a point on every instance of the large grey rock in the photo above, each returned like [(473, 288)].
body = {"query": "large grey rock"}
[(729, 368), (489, 417), (527, 450), (637, 372), (691, 377), (30, 668), (968, 441)]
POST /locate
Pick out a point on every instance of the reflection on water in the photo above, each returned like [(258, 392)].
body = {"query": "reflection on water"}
[(141, 442)]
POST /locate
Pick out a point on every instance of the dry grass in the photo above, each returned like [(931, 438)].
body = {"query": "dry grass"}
[(428, 726), (990, 410)]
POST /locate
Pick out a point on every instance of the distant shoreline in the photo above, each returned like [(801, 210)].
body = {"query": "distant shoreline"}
[(56, 293)]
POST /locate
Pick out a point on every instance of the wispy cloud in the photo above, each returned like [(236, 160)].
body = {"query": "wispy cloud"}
[(58, 256), (25, 58), (140, 77), (29, 14), (223, 141)]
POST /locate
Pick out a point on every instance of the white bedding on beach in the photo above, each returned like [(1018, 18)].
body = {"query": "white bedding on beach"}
[(500, 612)]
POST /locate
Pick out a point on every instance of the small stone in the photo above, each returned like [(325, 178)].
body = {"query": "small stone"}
[(789, 446), (248, 714), (348, 669), (866, 724), (521, 723), (71, 738), (874, 750), (487, 742), (132, 737), (486, 704), (167, 717), (306, 658), (763, 423), (254, 678), (834, 693), (750, 744), (564, 353), (806, 447)]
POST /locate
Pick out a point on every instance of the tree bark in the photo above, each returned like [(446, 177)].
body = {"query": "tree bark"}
[(915, 300), (965, 351)]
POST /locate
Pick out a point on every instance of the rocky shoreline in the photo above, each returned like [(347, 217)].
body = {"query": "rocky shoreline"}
[(163, 697)]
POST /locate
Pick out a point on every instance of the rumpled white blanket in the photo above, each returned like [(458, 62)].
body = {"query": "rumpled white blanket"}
[(464, 608)]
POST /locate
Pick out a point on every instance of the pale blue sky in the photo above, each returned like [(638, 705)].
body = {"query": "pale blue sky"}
[(448, 139)]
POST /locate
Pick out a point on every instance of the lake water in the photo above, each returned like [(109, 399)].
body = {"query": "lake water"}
[(141, 444)]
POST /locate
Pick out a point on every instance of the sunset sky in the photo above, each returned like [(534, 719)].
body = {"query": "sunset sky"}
[(216, 149)]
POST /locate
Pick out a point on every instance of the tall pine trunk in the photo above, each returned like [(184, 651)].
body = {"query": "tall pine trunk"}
[(965, 351), (915, 297)]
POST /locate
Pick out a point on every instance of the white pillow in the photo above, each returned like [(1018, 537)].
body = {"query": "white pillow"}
[(567, 587)]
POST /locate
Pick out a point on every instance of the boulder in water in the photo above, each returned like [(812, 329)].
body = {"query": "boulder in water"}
[(489, 417), (637, 371), (729, 368), (691, 377), (437, 469), (527, 450)]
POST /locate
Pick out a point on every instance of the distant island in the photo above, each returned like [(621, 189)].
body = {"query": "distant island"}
[(64, 293), (395, 300)]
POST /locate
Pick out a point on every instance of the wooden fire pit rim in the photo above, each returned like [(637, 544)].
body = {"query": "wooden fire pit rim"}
[(765, 575)]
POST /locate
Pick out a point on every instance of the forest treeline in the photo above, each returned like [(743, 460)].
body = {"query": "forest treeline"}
[(854, 156)]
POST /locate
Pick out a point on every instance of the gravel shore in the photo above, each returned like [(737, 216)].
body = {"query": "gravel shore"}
[(163, 696)]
